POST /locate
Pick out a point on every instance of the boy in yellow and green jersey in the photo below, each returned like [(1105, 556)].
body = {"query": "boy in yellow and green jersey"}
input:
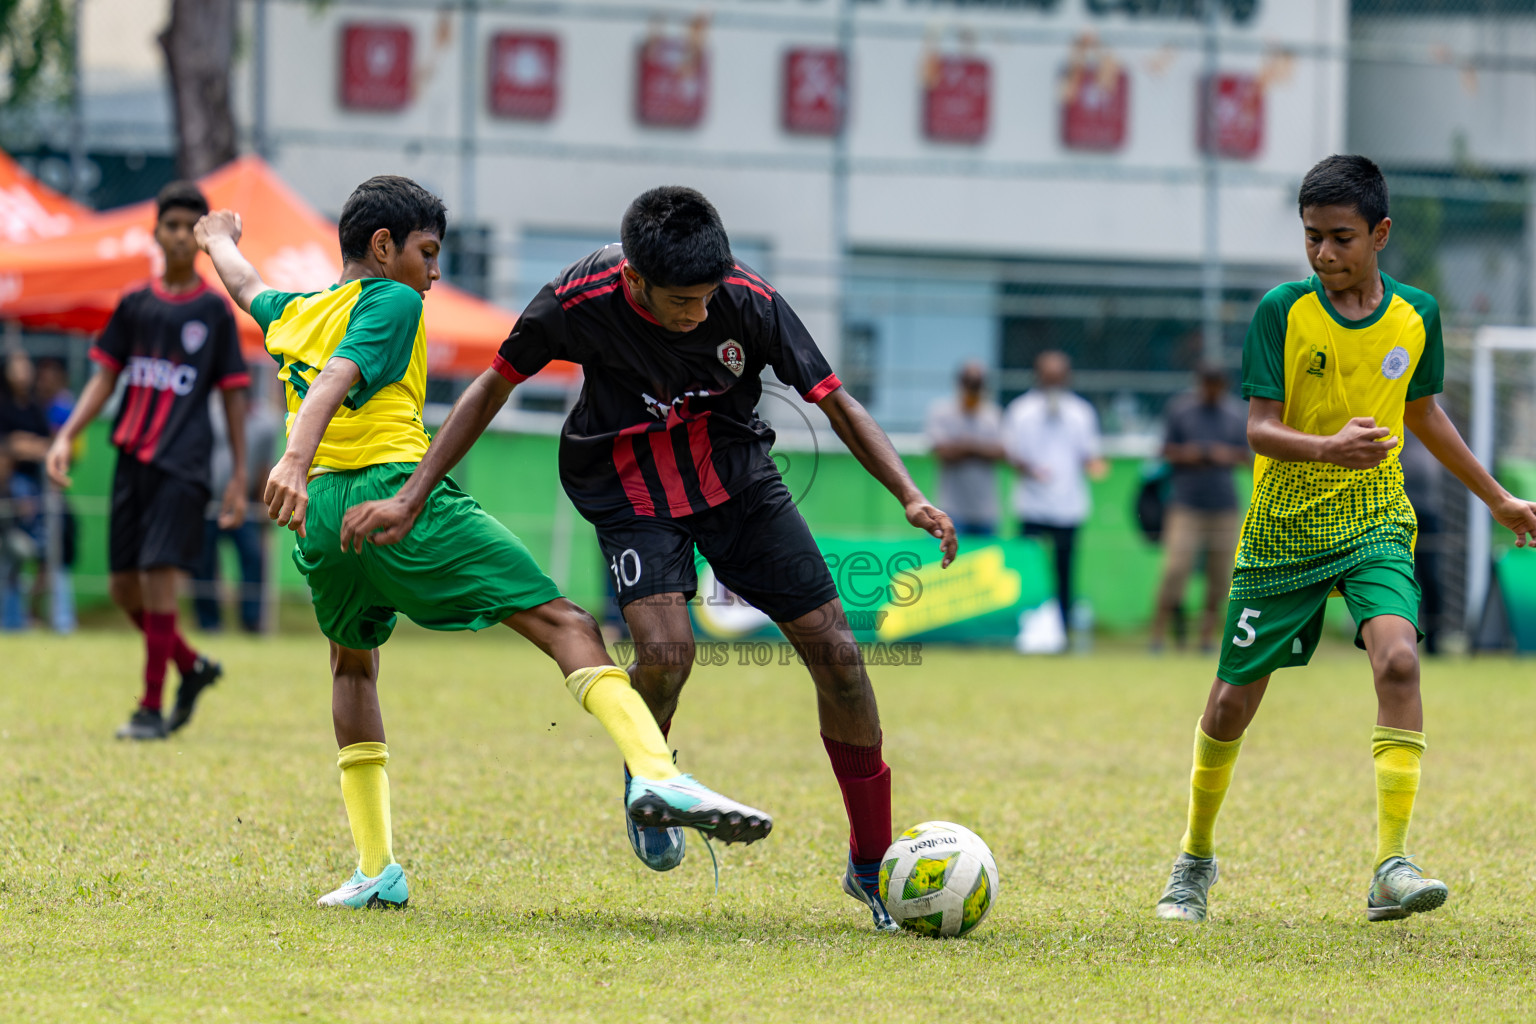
[(1334, 367), (352, 359)]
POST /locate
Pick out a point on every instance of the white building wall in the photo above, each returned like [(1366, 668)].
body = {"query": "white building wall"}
[(1430, 92), (1020, 192)]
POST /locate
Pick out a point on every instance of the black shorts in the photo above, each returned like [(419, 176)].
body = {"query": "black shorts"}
[(157, 519), (758, 543)]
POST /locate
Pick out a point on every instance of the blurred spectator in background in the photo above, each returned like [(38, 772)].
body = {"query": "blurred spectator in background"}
[(1421, 482), (1051, 437), (52, 394), (262, 424), (966, 432), (24, 435), (1206, 438), (16, 547)]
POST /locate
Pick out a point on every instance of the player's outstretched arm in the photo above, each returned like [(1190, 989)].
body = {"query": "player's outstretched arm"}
[(870, 445), (97, 390), (1432, 426), (387, 521), (287, 493), (218, 234), (1361, 444)]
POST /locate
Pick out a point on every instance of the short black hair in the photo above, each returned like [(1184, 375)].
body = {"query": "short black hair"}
[(181, 195), (674, 239), (394, 203), (1354, 181)]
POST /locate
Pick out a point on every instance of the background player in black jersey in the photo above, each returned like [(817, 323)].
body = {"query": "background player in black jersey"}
[(175, 341), (665, 451)]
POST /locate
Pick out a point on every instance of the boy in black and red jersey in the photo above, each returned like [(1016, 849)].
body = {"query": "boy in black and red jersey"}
[(664, 451), (175, 342)]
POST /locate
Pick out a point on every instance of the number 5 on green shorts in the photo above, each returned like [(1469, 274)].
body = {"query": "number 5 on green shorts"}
[(1283, 630)]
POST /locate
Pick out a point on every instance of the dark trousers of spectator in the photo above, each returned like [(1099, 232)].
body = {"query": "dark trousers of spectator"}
[(1426, 570), (205, 586), (1062, 539)]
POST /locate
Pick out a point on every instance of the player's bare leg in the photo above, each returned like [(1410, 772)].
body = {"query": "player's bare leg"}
[(845, 700), (850, 730), (1398, 888), (565, 631), (1392, 643), (1218, 738), (663, 636), (355, 712), (1229, 709)]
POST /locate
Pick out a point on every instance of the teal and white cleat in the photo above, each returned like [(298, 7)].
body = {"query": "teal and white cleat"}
[(1399, 889), (684, 801), (863, 884), (1189, 885), (387, 891), (660, 849)]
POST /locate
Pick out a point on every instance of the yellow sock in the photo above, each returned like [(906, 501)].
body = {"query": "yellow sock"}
[(365, 788), (1208, 782), (605, 692), (1396, 753)]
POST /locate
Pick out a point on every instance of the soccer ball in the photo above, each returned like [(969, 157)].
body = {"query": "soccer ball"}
[(938, 879)]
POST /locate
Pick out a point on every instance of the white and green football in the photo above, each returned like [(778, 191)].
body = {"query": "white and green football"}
[(938, 879)]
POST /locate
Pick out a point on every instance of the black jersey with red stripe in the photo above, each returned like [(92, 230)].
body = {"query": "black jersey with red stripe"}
[(666, 424), (173, 349)]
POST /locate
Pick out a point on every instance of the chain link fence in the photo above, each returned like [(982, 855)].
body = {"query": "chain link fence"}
[(1441, 92)]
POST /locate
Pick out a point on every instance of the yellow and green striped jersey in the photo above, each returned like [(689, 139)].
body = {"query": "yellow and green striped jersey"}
[(376, 323), (1312, 520)]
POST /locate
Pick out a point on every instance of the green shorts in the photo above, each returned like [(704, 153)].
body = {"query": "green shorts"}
[(458, 568), (1282, 630)]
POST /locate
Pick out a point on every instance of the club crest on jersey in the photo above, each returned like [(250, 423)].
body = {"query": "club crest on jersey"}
[(732, 355), (1395, 363), (1318, 364), (193, 334)]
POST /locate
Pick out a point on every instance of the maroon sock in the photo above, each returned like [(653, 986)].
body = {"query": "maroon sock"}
[(865, 780), (159, 641), (184, 656)]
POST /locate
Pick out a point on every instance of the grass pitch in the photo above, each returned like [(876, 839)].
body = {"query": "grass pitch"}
[(176, 881)]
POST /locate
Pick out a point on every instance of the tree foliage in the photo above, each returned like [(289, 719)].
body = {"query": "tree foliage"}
[(36, 51)]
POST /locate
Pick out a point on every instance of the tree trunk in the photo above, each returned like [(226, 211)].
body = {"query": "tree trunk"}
[(199, 46)]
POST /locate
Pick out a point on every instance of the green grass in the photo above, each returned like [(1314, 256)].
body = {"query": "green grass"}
[(176, 881)]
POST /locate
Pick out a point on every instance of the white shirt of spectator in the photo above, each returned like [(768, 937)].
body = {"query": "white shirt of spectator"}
[(1055, 432)]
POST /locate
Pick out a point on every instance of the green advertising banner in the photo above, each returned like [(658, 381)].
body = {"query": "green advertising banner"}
[(895, 592), (1517, 579)]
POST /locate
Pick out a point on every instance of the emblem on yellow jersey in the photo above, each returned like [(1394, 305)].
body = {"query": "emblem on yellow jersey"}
[(1319, 362), (1395, 363)]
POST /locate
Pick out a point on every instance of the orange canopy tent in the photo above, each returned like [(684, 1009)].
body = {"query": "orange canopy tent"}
[(49, 265), (62, 265)]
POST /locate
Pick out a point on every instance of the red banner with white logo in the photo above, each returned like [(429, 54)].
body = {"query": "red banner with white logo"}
[(525, 76), (957, 97), (1095, 103), (673, 82), (375, 66), (815, 91), (1232, 115)]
